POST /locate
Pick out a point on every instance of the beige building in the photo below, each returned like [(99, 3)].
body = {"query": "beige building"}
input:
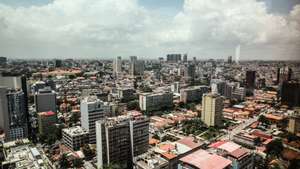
[(294, 124), (212, 106)]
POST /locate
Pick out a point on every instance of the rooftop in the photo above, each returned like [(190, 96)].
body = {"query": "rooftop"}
[(204, 160), (75, 131)]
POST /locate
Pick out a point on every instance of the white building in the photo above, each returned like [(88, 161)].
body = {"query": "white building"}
[(92, 110), (75, 137), (117, 65), (155, 101)]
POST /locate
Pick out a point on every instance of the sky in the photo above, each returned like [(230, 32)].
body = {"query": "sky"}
[(264, 29)]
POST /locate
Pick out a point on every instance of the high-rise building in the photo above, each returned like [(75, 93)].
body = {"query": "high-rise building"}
[(155, 101), (229, 60), (192, 94), (250, 82), (284, 74), (185, 58), (13, 118), (92, 110), (173, 58), (294, 123), (212, 107), (290, 93), (120, 139), (238, 93), (190, 71), (45, 100), (136, 66), (3, 60), (47, 122), (117, 65), (175, 87), (16, 83), (58, 63), (75, 137)]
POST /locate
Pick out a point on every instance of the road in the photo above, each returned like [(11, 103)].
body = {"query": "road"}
[(238, 129)]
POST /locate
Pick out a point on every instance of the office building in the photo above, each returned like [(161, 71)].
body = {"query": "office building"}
[(45, 100), (290, 93), (250, 82), (175, 87), (173, 58), (155, 101), (117, 65), (92, 110), (239, 93), (126, 94), (212, 108), (185, 58), (58, 63), (46, 122), (294, 123), (121, 138), (283, 74), (3, 61), (75, 137), (136, 67), (229, 60), (192, 94), (13, 118), (190, 72)]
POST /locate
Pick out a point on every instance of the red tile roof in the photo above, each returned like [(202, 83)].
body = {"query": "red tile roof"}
[(203, 160)]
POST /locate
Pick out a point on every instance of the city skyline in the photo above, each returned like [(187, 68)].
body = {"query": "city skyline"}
[(85, 29)]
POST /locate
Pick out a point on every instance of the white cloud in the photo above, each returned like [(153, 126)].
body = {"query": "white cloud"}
[(108, 28)]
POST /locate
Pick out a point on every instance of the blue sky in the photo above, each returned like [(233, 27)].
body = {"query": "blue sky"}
[(170, 7)]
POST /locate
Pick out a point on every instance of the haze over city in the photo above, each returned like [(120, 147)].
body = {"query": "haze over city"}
[(268, 30)]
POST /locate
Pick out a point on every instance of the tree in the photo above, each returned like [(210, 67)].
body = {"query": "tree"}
[(133, 105), (88, 152), (275, 147), (77, 162), (74, 118), (263, 119), (63, 161)]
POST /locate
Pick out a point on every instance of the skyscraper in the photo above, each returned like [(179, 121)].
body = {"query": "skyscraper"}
[(136, 66), (92, 110), (120, 139), (173, 58), (250, 82), (45, 100), (290, 93), (117, 65), (212, 107), (13, 119), (185, 58)]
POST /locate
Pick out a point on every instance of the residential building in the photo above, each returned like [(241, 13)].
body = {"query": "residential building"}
[(75, 137), (45, 100), (173, 58), (117, 65), (250, 82), (126, 94), (155, 101), (290, 93), (239, 93), (13, 119), (121, 138), (136, 66), (294, 123), (175, 87), (192, 94), (92, 110), (212, 107), (47, 122)]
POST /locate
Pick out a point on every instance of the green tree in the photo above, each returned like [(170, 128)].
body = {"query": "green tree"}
[(133, 105), (275, 147), (263, 119), (88, 152), (63, 161), (77, 163)]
